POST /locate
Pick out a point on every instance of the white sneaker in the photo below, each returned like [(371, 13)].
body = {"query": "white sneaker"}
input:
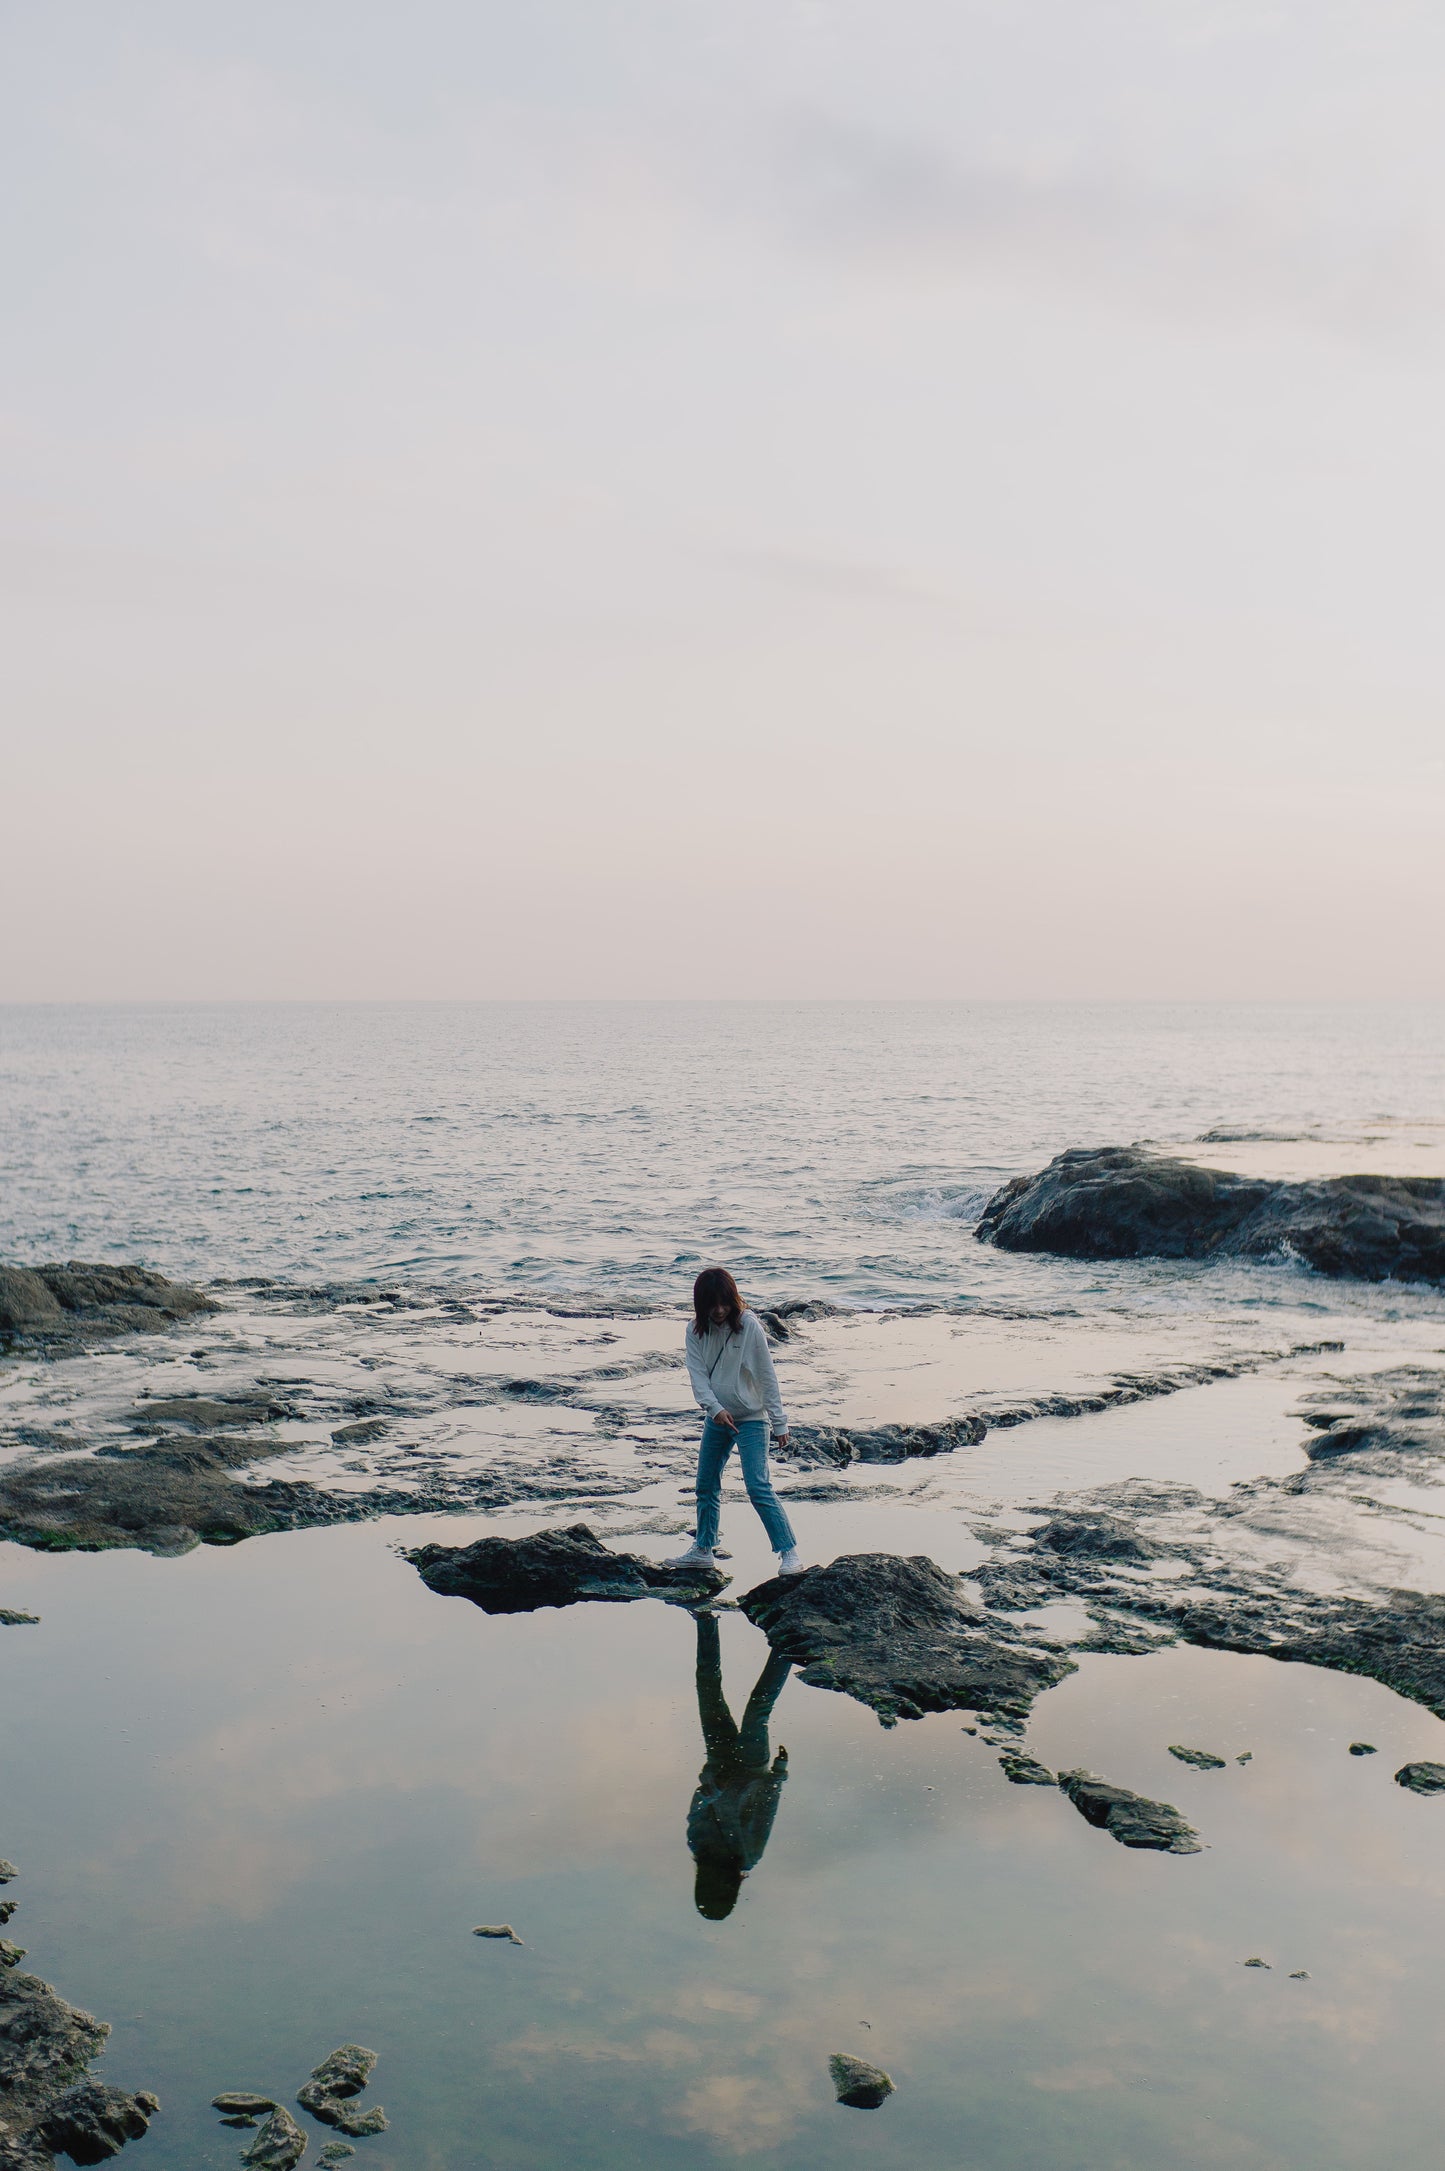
[(696, 1556), (792, 1562)]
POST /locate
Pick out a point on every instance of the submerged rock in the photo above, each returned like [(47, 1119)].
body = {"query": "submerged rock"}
[(335, 2152), (1132, 1819), (861, 2086), (92, 2122), (836, 1447), (279, 2146), (1256, 1962), (497, 1929), (1201, 1759), (336, 2111), (240, 2103), (1422, 1778), (902, 1637), (1119, 1202), (554, 1568), (60, 1306), (1363, 1748)]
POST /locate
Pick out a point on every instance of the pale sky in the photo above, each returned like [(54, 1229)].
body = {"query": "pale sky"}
[(764, 497)]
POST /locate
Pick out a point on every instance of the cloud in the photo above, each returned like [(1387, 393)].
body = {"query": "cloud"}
[(904, 209)]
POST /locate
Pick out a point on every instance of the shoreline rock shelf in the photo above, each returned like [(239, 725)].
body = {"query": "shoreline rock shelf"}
[(555, 1568), (1121, 1202)]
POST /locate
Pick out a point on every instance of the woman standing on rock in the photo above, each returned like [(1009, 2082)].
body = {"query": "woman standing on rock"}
[(731, 1369)]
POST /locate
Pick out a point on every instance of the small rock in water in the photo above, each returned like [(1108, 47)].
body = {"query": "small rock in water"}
[(1025, 1771), (860, 2085), (1362, 1748), (1299, 1975), (10, 1619), (1201, 1759), (1422, 1778), (239, 2118), (240, 2103), (340, 2113), (7, 1871), (1132, 1819), (279, 2146), (7, 1909), (10, 1955), (336, 2152), (1246, 1756), (497, 1929), (345, 2072), (1256, 1962)]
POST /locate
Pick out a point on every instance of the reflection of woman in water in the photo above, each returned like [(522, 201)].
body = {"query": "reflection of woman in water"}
[(731, 1369), (737, 1791)]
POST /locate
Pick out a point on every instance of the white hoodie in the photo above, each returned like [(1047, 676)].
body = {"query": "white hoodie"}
[(732, 1369)]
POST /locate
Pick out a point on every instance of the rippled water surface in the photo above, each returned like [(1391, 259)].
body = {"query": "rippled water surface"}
[(841, 1147)]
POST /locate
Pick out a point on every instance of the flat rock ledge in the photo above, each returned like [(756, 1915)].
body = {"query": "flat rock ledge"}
[(57, 1308), (903, 1637), (555, 1568), (1119, 1202)]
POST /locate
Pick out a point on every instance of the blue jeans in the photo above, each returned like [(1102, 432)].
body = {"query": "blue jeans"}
[(752, 1443)]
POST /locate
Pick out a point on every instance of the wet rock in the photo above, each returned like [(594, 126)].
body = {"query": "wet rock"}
[(1246, 1756), (8, 1872), (168, 1494), (1132, 1819), (497, 1929), (345, 2117), (1299, 1975), (861, 2086), (1118, 1202), (1201, 1759), (7, 1909), (554, 1568), (360, 1434), (18, 1620), (10, 1955), (1396, 1415), (345, 2072), (240, 2103), (1363, 1748), (91, 2122), (1093, 1536), (279, 2146), (1422, 1778), (335, 2152), (45, 2046), (1256, 1962), (902, 1637), (55, 1307), (836, 1447), (1026, 1771), (206, 1413)]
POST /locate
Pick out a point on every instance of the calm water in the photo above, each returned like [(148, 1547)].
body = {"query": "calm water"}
[(838, 1147), (259, 1799)]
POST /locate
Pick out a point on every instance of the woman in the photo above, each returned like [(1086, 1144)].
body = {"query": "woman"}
[(731, 1369)]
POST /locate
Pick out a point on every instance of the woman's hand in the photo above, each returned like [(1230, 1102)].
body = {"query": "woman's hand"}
[(726, 1419), (780, 1439)]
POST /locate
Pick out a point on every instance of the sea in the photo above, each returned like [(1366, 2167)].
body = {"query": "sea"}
[(259, 1797)]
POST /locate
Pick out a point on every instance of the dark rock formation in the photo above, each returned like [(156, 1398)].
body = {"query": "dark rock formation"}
[(902, 1637), (555, 1568), (1363, 1748), (91, 2122), (1025, 1771), (1201, 1759), (279, 2146), (1118, 1202), (1398, 1412), (206, 1413), (861, 2086), (241, 2103), (345, 2072), (836, 1446), (47, 2103), (1422, 1778), (59, 1306), (1132, 1819)]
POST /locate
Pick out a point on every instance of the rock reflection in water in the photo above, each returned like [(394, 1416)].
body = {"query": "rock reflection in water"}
[(739, 1786)]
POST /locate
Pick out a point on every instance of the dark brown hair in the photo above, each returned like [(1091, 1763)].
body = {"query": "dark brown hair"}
[(714, 1285)]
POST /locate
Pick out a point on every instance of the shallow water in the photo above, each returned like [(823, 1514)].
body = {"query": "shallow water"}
[(260, 1797)]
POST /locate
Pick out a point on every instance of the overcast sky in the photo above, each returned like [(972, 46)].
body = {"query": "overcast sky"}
[(764, 497)]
